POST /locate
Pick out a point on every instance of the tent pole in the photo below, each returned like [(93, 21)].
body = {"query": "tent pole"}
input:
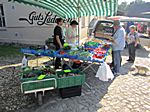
[(79, 24)]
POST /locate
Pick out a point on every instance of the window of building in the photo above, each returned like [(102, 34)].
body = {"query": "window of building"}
[(2, 17), (89, 19), (83, 22)]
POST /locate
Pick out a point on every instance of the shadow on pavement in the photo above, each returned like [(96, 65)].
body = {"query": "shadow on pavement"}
[(126, 67), (141, 52)]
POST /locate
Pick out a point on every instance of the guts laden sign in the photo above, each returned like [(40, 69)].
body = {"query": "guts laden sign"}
[(42, 19)]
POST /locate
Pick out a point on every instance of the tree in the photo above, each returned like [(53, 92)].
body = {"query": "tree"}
[(123, 6), (139, 1), (136, 2)]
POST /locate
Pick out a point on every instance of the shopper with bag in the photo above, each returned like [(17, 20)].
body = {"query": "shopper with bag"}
[(132, 40)]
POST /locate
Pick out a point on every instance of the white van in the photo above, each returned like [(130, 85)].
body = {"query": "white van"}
[(96, 26)]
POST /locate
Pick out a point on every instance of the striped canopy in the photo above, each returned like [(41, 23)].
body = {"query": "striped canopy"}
[(76, 8)]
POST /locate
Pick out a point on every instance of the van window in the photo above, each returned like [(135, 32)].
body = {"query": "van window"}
[(83, 22), (102, 25), (104, 28), (92, 23)]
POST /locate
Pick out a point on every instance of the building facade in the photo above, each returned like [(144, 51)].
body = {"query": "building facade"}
[(26, 24)]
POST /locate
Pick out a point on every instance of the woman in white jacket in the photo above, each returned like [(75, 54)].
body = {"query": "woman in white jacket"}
[(71, 33)]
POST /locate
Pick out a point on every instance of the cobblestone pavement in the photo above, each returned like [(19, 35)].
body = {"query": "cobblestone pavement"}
[(129, 92)]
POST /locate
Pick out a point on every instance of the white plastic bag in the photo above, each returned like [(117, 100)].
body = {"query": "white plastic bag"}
[(104, 72)]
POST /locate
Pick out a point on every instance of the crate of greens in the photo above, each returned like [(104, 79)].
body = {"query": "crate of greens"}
[(70, 78), (35, 80)]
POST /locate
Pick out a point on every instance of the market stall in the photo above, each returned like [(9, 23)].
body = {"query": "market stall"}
[(94, 50), (37, 80), (68, 81)]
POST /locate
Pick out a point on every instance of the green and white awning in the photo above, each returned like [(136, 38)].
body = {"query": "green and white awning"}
[(76, 8)]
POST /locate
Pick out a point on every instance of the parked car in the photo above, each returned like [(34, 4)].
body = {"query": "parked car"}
[(97, 26)]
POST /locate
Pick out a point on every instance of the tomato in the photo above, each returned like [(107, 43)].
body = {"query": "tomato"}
[(62, 52), (99, 57)]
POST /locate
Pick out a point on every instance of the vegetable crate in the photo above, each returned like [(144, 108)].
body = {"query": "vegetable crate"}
[(34, 85), (70, 81), (30, 85)]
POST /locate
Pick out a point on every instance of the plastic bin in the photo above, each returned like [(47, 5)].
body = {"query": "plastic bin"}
[(28, 51), (72, 56), (70, 91), (70, 81), (31, 84), (57, 54), (49, 53)]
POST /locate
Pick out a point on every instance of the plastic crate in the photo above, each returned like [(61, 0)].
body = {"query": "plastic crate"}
[(57, 54), (70, 81), (28, 51), (84, 58), (98, 60), (49, 53), (70, 91), (33, 52), (31, 84), (72, 56)]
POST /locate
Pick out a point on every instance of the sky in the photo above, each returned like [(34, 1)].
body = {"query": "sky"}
[(131, 1)]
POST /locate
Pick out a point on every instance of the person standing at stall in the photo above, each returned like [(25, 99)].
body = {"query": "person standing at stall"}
[(58, 39), (71, 33), (132, 40), (71, 39), (118, 45)]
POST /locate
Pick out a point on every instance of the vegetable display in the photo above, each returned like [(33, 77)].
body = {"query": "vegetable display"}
[(95, 48), (67, 75), (73, 53), (29, 73), (67, 47), (92, 44), (99, 51), (106, 47)]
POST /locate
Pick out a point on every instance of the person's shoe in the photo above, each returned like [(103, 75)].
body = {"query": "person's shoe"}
[(128, 60), (131, 61), (117, 74)]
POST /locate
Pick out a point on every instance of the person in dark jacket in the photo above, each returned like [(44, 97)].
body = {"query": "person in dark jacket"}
[(58, 39)]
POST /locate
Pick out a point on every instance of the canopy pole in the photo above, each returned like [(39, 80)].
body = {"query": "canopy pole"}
[(78, 22)]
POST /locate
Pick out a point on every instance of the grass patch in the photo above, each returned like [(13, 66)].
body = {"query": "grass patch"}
[(7, 51)]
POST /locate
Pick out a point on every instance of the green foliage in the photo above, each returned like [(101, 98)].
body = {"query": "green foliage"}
[(124, 5), (6, 51)]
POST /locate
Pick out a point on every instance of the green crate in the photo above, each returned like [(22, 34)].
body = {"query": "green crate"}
[(31, 84), (70, 81)]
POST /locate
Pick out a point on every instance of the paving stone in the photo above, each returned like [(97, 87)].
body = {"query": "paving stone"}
[(126, 110), (132, 103), (81, 106), (129, 106), (98, 105)]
